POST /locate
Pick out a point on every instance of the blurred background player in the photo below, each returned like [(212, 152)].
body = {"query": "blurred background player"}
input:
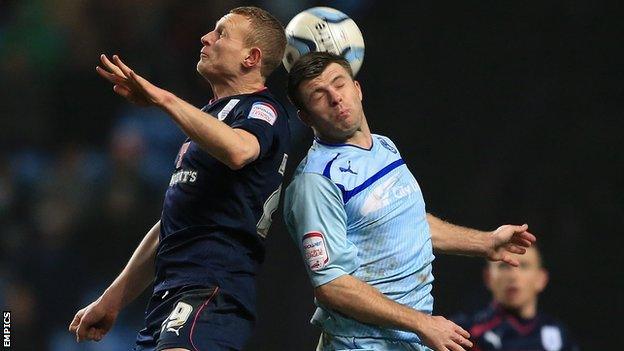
[(217, 210), (358, 216), (512, 321)]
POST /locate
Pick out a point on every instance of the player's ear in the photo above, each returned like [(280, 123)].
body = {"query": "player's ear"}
[(253, 58), (359, 88), (542, 280)]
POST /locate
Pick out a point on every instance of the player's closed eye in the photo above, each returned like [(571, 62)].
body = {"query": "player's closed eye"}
[(316, 95), (525, 265), (339, 83), (503, 266)]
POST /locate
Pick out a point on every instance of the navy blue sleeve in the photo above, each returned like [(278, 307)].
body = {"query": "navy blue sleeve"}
[(259, 119)]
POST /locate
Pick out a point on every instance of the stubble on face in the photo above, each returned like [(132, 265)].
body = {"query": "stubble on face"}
[(333, 104)]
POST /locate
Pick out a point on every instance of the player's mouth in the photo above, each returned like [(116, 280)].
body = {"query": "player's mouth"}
[(202, 54), (512, 292), (344, 113)]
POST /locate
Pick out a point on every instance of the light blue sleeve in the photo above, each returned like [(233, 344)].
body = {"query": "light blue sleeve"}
[(317, 222)]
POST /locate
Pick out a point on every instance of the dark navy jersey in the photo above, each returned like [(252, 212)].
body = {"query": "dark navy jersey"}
[(214, 219), (496, 329)]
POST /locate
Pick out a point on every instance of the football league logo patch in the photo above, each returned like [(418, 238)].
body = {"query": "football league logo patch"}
[(315, 251), (263, 111)]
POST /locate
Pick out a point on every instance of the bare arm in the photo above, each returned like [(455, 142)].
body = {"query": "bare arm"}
[(137, 274), (497, 245), (364, 303), (95, 320), (454, 239), (233, 147)]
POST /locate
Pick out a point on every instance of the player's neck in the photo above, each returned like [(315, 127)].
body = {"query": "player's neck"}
[(236, 86), (528, 311), (361, 137)]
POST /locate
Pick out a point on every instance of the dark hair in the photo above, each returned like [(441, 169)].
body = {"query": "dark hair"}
[(267, 33), (310, 66)]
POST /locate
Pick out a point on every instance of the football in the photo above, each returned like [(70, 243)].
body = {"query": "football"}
[(324, 29)]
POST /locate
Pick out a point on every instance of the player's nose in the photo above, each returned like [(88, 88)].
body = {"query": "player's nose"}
[(335, 97), (512, 273), (206, 39)]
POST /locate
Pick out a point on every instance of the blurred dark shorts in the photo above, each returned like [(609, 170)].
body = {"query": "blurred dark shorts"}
[(196, 318)]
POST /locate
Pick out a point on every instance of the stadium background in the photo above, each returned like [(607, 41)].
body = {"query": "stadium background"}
[(506, 112)]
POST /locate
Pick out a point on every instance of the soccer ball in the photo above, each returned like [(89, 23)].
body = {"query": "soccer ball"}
[(324, 29)]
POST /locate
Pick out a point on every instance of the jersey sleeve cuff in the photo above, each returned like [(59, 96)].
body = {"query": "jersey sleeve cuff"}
[(261, 130), (326, 276)]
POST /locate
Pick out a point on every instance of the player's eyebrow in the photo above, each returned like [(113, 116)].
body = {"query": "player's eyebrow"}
[(320, 88), (339, 76), (222, 24)]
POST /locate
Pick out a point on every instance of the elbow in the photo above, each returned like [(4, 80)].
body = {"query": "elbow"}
[(238, 159), (338, 294), (234, 163), (242, 150)]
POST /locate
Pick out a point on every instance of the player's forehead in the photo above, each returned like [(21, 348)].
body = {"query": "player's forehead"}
[(530, 256), (331, 73), (233, 22)]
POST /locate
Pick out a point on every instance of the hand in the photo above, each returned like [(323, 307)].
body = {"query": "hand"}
[(508, 240), (93, 321), (130, 85), (441, 334)]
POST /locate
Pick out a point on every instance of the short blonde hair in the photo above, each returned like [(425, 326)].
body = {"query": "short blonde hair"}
[(267, 33)]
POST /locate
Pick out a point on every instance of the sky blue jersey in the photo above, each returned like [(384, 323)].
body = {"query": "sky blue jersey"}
[(360, 211)]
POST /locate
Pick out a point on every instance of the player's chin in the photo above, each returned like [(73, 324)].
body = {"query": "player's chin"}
[(342, 117), (203, 69), (512, 302), (349, 127)]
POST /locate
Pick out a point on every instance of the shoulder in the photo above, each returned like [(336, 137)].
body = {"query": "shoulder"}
[(310, 190), (245, 108), (313, 169), (312, 174), (319, 161), (262, 102), (311, 183)]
